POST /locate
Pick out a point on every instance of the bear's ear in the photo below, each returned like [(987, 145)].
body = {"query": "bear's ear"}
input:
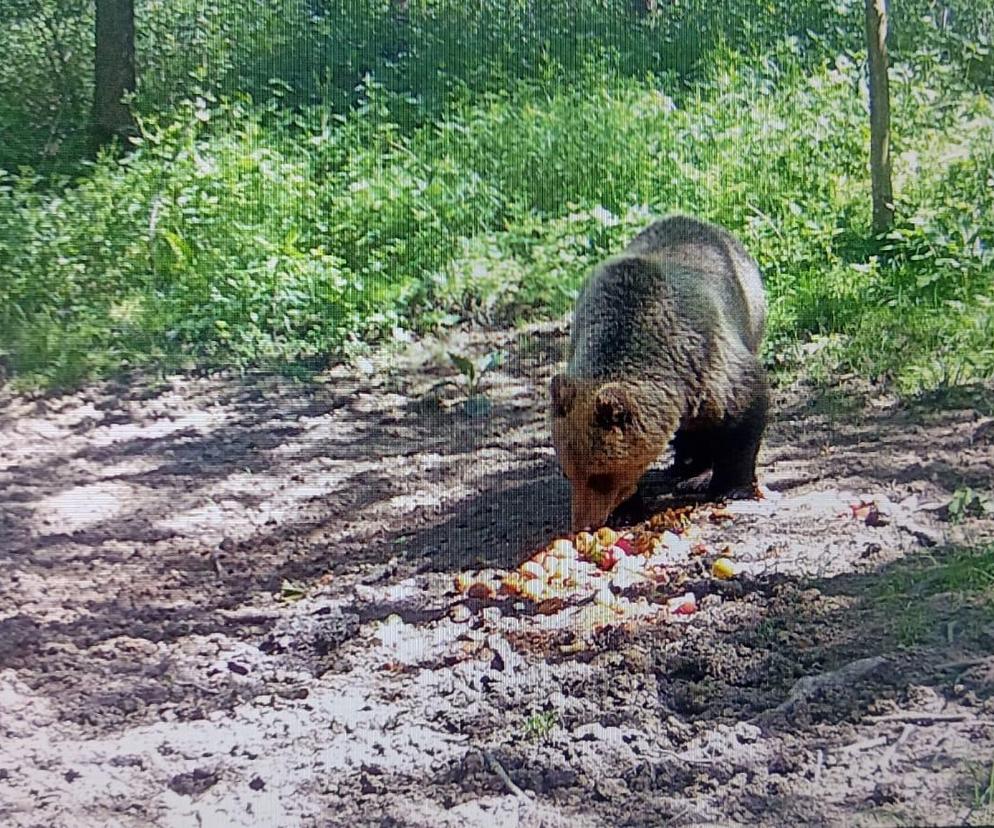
[(614, 407), (563, 393)]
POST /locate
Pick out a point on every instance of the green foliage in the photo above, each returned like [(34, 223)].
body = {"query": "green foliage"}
[(45, 82), (318, 51), (922, 598), (538, 726), (969, 503), (983, 786), (473, 370), (311, 174)]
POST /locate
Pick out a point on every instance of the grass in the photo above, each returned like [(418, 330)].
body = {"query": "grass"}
[(540, 725), (279, 224), (983, 788), (950, 596)]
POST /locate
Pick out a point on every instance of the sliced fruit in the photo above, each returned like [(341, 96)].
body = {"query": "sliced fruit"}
[(685, 604), (625, 546), (533, 589), (532, 569), (584, 542)]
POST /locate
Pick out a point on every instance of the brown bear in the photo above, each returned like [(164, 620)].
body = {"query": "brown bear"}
[(664, 348)]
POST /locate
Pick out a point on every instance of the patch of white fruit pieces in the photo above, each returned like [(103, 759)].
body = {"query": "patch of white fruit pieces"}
[(601, 564)]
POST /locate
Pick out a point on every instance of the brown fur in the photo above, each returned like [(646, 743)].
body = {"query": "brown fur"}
[(664, 347)]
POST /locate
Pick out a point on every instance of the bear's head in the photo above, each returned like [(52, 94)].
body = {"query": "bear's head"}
[(602, 442)]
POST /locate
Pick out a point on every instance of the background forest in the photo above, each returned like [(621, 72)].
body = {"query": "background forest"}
[(305, 177)]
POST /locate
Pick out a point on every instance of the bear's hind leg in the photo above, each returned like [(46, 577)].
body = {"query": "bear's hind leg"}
[(736, 446)]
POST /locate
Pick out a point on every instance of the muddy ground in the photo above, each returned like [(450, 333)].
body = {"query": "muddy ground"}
[(228, 602)]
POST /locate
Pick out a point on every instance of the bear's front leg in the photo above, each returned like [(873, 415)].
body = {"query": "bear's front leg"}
[(693, 453)]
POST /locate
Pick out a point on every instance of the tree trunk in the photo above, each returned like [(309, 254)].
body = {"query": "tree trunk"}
[(876, 41), (114, 69)]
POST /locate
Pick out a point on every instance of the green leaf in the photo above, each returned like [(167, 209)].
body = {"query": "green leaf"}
[(292, 590), (465, 366)]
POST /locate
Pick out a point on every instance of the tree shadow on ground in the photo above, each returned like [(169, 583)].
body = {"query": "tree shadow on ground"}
[(354, 473)]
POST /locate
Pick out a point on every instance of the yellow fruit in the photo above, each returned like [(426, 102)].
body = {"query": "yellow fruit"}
[(565, 568), (464, 581), (723, 569), (606, 536), (584, 542), (512, 582)]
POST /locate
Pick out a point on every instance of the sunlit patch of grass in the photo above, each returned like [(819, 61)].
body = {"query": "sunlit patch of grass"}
[(949, 595)]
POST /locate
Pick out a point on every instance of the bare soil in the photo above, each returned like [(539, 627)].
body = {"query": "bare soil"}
[(228, 601)]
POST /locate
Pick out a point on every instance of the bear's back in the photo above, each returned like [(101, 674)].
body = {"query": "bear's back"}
[(676, 290), (694, 246), (637, 315)]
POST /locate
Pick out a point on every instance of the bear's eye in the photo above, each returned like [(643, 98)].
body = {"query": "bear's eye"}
[(611, 412), (601, 483)]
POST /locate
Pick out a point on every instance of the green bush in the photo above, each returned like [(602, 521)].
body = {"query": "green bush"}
[(304, 52), (435, 180)]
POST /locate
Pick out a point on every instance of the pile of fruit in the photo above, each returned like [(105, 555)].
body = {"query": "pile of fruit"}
[(615, 571)]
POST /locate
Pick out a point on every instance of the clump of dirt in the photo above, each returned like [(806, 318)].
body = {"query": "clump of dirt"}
[(234, 602)]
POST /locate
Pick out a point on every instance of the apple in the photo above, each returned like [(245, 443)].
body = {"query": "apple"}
[(723, 569), (606, 536), (685, 604), (533, 589), (531, 569), (584, 542)]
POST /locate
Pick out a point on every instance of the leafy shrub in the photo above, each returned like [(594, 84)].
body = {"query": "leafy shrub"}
[(436, 180)]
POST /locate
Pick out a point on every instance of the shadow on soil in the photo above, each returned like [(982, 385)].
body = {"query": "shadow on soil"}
[(484, 492)]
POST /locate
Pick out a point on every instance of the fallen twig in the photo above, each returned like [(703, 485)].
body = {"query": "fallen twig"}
[(686, 760), (963, 662), (865, 744), (922, 717), (889, 754), (218, 566), (496, 767), (808, 686), (249, 615), (213, 691)]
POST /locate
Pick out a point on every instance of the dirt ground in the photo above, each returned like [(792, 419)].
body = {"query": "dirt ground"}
[(229, 602)]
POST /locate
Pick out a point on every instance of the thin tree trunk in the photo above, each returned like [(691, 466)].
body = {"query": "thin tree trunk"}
[(114, 69), (876, 41)]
